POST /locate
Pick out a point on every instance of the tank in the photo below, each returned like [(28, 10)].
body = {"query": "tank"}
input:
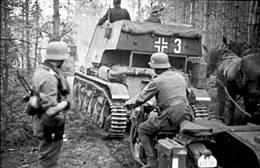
[(116, 67)]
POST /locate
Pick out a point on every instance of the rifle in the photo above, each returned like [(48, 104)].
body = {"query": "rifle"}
[(33, 106), (26, 87)]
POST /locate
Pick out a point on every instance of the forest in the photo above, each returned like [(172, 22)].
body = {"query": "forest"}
[(28, 25)]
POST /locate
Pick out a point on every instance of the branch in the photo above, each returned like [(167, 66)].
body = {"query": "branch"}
[(44, 31), (6, 7), (64, 32)]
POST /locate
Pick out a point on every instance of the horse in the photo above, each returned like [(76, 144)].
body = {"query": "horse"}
[(235, 76), (240, 48)]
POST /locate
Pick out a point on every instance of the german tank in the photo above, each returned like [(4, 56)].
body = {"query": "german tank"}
[(116, 68)]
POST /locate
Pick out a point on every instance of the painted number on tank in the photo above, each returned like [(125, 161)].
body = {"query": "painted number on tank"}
[(177, 42)]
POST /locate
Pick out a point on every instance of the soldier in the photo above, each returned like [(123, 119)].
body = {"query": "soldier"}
[(169, 89), (116, 13), (155, 14), (48, 124)]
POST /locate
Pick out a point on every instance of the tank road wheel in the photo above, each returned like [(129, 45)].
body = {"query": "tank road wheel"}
[(82, 96), (97, 108), (103, 113), (76, 92), (79, 93), (91, 103), (87, 99), (108, 114)]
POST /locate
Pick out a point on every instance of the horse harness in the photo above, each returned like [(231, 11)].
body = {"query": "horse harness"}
[(246, 49), (234, 58)]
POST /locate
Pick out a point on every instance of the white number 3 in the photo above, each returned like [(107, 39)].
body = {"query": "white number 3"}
[(178, 43)]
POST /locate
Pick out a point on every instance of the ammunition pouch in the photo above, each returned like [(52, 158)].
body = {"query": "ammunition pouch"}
[(31, 111), (53, 133), (33, 106), (53, 127)]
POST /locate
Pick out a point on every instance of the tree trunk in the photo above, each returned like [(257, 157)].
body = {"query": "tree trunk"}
[(249, 21), (236, 21), (37, 35), (192, 12), (256, 26), (205, 25), (23, 32), (5, 40), (184, 11), (139, 10), (27, 37), (56, 21), (223, 21)]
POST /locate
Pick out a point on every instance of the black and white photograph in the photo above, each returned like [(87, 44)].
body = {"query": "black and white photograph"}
[(130, 84)]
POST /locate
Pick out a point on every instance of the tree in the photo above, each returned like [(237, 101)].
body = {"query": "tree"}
[(56, 21), (27, 36), (5, 45), (205, 24), (36, 59), (139, 10), (192, 12), (256, 26)]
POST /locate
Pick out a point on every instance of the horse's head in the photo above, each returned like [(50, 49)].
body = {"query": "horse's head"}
[(212, 58), (240, 48)]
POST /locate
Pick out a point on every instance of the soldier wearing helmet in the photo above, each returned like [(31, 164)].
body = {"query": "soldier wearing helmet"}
[(48, 124), (169, 88), (116, 13), (155, 13)]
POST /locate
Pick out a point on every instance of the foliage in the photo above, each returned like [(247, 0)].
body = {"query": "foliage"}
[(233, 19), (15, 124)]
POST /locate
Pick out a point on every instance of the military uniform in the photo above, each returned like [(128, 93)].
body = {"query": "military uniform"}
[(153, 18), (116, 13), (169, 89), (49, 130), (48, 82), (154, 14)]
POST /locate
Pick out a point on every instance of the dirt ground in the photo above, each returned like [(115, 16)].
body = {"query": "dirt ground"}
[(83, 146)]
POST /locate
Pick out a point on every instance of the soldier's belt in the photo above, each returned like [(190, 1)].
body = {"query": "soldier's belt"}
[(172, 104)]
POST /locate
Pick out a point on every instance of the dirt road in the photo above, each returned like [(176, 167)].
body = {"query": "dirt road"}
[(82, 148)]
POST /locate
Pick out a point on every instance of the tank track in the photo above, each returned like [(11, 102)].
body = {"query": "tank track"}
[(112, 126)]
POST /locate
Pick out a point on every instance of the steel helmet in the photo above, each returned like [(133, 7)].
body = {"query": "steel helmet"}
[(159, 60), (56, 51), (117, 2), (156, 8)]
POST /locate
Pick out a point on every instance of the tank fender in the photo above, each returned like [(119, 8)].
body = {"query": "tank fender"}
[(117, 90)]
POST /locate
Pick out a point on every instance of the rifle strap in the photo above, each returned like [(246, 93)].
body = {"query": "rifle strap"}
[(48, 66)]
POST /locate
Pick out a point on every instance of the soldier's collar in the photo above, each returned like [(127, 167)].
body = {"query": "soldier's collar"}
[(50, 66)]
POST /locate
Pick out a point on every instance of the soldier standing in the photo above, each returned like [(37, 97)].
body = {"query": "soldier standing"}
[(155, 14), (51, 85), (169, 89), (116, 13)]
